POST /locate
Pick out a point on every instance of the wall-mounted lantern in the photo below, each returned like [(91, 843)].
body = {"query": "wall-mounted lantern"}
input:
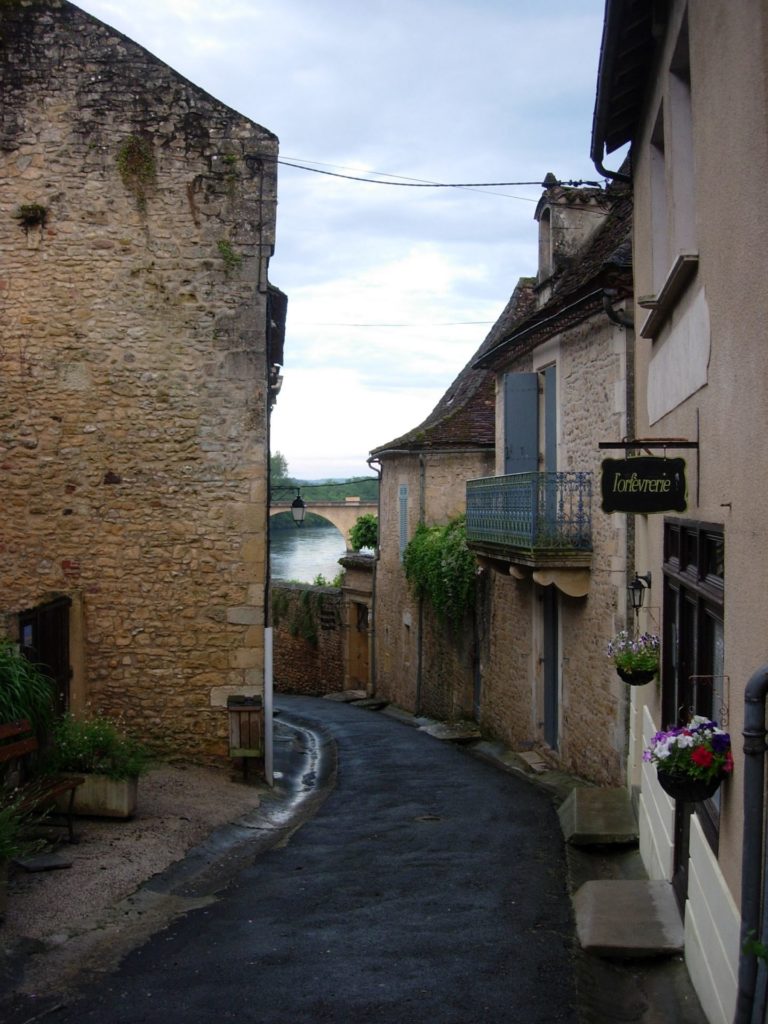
[(637, 589)]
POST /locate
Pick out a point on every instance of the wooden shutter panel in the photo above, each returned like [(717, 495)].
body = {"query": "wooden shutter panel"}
[(521, 422)]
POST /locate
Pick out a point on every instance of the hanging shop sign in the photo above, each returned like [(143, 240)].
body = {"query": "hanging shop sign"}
[(644, 484)]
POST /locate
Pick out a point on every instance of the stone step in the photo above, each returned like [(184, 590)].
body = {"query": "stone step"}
[(628, 919), (596, 817)]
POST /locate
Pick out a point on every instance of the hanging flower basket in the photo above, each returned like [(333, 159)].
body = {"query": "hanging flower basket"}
[(691, 760), (635, 658), (639, 677), (683, 787)]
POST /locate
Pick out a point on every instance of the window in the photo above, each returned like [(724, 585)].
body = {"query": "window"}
[(692, 673), (673, 180)]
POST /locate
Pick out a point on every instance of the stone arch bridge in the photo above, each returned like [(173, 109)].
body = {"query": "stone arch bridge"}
[(343, 514)]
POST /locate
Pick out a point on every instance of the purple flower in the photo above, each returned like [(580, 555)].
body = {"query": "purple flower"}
[(721, 742)]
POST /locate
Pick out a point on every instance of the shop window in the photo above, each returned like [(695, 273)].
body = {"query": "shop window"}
[(693, 682)]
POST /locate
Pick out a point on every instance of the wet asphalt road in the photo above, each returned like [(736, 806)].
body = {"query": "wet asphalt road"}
[(428, 886)]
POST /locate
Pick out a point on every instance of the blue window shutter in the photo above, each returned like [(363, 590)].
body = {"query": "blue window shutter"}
[(550, 419), (521, 422), (403, 504)]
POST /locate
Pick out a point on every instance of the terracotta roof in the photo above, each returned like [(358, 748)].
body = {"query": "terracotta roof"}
[(577, 287), (465, 415)]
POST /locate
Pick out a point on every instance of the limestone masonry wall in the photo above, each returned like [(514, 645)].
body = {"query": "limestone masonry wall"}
[(308, 655), (136, 222)]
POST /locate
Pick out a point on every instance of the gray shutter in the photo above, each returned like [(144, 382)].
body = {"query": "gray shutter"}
[(521, 422), (403, 509)]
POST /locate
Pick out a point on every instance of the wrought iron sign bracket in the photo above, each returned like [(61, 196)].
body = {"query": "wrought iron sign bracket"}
[(646, 444)]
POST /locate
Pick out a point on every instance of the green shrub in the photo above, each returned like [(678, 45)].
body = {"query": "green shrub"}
[(365, 532), (95, 746)]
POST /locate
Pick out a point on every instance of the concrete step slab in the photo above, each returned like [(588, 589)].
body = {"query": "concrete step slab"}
[(596, 817), (346, 696), (452, 732), (628, 919)]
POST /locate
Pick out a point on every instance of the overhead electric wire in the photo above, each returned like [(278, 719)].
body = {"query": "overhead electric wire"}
[(453, 323), (428, 184)]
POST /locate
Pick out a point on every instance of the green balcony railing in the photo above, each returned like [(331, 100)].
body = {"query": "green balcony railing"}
[(531, 511)]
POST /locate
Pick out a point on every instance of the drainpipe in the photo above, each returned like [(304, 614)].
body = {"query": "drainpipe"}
[(375, 464), (612, 175), (752, 853)]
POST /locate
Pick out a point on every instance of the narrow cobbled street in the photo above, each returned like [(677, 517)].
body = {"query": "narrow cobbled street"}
[(428, 886)]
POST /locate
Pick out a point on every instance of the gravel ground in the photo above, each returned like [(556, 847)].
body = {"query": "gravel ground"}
[(58, 920)]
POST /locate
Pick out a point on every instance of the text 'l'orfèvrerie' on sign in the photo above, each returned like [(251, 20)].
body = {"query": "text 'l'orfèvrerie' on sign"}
[(644, 484)]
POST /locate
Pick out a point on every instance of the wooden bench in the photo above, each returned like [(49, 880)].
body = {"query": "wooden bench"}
[(38, 793)]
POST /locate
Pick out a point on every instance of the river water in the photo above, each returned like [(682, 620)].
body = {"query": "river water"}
[(302, 552)]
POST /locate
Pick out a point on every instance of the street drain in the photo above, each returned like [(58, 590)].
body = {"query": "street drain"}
[(428, 817)]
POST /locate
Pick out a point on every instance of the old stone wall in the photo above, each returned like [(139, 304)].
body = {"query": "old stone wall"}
[(136, 221), (592, 701), (308, 644)]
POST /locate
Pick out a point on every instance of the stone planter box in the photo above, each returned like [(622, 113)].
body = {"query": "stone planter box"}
[(102, 797)]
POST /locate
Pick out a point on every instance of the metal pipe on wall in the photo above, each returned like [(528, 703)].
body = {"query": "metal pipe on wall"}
[(753, 880)]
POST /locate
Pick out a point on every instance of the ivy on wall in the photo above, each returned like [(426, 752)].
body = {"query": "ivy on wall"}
[(441, 569), (303, 612)]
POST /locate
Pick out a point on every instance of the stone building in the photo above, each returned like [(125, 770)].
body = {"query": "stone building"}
[(684, 84), (420, 663), (138, 343), (558, 564)]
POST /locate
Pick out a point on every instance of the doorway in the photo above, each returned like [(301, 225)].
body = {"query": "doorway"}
[(44, 640), (551, 666)]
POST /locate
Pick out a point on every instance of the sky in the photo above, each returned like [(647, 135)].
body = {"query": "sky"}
[(390, 289)]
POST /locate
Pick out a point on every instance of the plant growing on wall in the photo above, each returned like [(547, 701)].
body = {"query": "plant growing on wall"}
[(136, 164), (32, 215), (232, 259), (441, 569), (365, 532)]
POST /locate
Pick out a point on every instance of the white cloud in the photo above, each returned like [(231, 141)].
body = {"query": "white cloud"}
[(441, 90)]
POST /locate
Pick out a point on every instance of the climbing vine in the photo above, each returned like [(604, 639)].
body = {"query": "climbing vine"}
[(303, 612), (441, 569)]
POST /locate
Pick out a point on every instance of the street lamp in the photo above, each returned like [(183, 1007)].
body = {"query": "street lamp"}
[(637, 589), (298, 508)]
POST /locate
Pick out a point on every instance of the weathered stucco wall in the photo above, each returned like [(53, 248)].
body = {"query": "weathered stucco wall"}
[(308, 639), (133, 374)]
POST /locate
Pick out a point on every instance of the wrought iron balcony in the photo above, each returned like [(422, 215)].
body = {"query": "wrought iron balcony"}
[(532, 518)]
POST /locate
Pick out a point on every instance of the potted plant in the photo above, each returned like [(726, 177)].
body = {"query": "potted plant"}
[(691, 760), (98, 748), (636, 658)]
